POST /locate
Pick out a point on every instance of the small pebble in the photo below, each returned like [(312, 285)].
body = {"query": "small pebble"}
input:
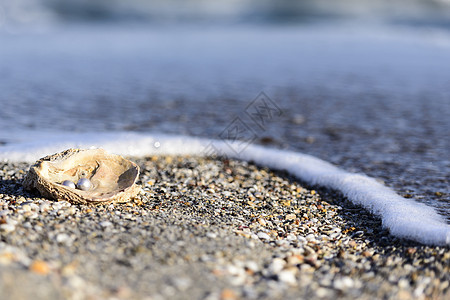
[(7, 227), (63, 238), (211, 235), (40, 267), (263, 236), (277, 265), (287, 276), (343, 283), (106, 223)]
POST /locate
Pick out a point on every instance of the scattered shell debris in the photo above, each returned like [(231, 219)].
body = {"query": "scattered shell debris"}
[(202, 228)]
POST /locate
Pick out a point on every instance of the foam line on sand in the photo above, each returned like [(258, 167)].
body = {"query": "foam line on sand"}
[(404, 218)]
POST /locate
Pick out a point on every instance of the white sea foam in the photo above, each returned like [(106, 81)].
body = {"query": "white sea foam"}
[(403, 217)]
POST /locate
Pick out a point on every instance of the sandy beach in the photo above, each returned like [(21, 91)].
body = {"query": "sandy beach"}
[(208, 229), (363, 87)]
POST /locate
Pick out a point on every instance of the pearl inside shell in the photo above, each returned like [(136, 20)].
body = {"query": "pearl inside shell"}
[(84, 184), (68, 183)]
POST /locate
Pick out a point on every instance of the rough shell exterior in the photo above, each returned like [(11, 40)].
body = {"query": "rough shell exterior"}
[(113, 177)]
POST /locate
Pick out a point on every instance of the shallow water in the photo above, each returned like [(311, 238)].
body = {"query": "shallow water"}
[(371, 100)]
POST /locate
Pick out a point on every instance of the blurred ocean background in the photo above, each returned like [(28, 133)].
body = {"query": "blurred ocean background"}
[(362, 84), (397, 12)]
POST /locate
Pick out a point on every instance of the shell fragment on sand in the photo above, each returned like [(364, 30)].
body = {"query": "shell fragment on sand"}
[(100, 177)]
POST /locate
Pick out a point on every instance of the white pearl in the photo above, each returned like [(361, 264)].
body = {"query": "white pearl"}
[(68, 183), (84, 184)]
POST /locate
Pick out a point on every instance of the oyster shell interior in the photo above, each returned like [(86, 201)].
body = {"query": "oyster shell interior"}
[(112, 176)]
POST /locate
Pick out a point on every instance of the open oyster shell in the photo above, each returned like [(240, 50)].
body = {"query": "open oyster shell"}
[(112, 176)]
